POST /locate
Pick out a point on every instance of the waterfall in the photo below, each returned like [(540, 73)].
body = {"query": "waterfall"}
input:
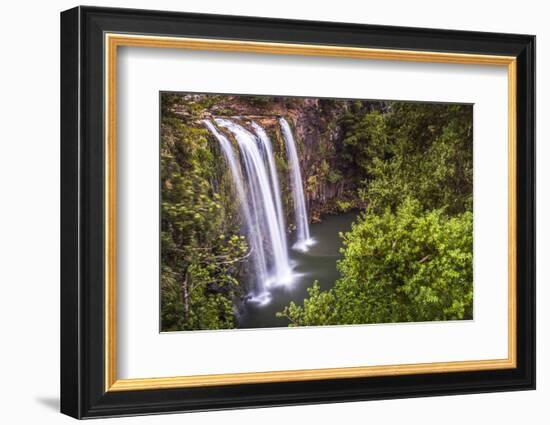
[(267, 150), (262, 203), (256, 181), (250, 221), (303, 238)]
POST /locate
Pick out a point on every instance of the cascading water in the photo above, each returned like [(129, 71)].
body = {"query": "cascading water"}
[(250, 220), (303, 238), (267, 150), (261, 200), (259, 195)]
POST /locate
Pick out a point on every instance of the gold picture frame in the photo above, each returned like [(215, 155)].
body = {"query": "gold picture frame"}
[(114, 41), (91, 41)]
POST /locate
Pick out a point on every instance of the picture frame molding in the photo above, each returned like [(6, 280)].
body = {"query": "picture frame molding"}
[(89, 41)]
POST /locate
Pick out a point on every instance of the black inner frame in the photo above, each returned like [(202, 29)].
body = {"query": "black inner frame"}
[(82, 212)]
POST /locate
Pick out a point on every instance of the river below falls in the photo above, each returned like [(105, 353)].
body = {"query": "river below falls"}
[(318, 263)]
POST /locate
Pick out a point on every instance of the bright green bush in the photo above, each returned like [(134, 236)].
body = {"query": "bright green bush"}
[(402, 266)]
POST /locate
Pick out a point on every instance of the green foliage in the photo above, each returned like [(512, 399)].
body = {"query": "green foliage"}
[(365, 138), (407, 265), (431, 158), (343, 205), (334, 176), (200, 261), (412, 150)]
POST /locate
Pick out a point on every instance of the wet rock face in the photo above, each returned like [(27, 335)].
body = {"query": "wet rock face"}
[(318, 136)]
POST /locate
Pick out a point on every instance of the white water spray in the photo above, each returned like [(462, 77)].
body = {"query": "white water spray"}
[(250, 221), (256, 181), (303, 238), (267, 150), (262, 203)]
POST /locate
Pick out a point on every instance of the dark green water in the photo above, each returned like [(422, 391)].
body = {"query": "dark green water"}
[(319, 263)]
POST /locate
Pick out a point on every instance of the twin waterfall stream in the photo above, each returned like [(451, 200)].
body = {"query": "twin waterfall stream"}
[(256, 181)]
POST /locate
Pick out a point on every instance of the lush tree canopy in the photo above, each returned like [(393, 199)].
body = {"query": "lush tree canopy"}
[(423, 151), (397, 267)]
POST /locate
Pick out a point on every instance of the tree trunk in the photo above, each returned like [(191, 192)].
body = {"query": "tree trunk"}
[(185, 296)]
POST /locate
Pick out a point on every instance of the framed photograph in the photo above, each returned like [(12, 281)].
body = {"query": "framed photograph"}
[(261, 212)]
